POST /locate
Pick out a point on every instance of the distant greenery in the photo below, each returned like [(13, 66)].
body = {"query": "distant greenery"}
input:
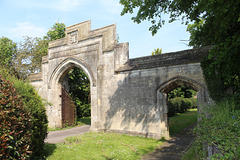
[(180, 99), (182, 120), (157, 51), (57, 31), (178, 105), (8, 50), (25, 57), (79, 89), (84, 120), (182, 91)]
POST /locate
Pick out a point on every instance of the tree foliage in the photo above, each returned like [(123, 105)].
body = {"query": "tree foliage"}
[(57, 31), (157, 51), (194, 29), (216, 23), (183, 92), (7, 52), (25, 57), (29, 56), (80, 91)]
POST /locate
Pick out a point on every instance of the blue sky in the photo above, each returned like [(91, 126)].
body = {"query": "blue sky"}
[(33, 18)]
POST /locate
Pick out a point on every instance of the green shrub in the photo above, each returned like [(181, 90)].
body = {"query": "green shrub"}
[(220, 127), (171, 108), (34, 104), (194, 102), (16, 124), (178, 105), (83, 109), (186, 104)]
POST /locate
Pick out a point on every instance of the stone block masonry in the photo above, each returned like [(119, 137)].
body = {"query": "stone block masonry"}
[(127, 95)]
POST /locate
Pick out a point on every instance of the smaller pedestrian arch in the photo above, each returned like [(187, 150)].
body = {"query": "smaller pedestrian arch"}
[(169, 85)]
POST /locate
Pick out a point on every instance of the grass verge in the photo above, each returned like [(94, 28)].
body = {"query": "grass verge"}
[(182, 120), (102, 146), (191, 154)]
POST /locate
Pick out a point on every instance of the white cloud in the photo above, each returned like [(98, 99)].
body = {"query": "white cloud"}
[(26, 29), (112, 6)]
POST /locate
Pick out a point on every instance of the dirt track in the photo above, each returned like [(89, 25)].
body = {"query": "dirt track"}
[(174, 148)]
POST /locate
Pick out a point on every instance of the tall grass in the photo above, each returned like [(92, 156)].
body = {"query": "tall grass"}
[(219, 127)]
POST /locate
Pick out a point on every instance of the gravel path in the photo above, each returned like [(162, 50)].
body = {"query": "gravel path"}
[(58, 136), (174, 148)]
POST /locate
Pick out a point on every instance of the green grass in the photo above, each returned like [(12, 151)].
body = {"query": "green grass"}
[(102, 146), (181, 121), (194, 153), (80, 122), (106, 146), (190, 154)]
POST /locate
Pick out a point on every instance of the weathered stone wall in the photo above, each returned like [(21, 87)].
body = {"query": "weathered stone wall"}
[(134, 106), (127, 95)]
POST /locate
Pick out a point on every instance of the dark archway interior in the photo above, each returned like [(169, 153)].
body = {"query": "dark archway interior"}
[(77, 85), (179, 103), (178, 83)]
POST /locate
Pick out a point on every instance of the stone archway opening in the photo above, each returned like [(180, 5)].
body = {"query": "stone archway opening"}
[(168, 86), (59, 83), (76, 97)]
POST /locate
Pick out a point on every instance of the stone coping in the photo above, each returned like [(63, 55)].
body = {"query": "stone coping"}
[(167, 59)]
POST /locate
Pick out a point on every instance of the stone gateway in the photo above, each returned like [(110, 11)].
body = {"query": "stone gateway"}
[(127, 95)]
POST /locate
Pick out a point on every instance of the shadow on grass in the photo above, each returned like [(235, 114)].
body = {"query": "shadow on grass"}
[(181, 121), (49, 149), (174, 148)]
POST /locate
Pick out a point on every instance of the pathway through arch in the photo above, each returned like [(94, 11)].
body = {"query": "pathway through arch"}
[(58, 136), (174, 148)]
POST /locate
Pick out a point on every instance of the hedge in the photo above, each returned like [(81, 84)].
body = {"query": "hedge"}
[(16, 124), (178, 105), (33, 103)]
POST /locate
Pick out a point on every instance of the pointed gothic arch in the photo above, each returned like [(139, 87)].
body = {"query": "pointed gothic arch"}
[(171, 84), (66, 65)]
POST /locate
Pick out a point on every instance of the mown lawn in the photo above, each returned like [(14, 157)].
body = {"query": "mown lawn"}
[(182, 120), (106, 146), (102, 146)]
